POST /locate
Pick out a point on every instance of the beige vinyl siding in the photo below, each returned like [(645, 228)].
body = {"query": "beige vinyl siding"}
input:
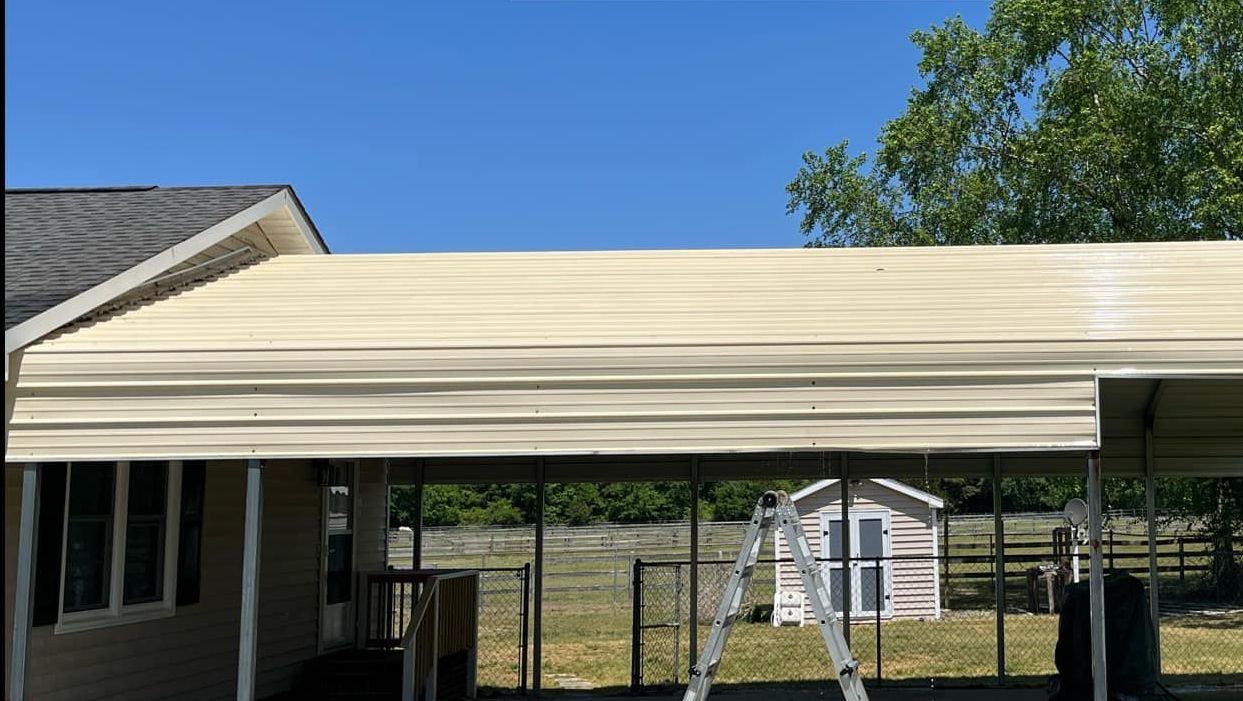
[(624, 352), (911, 534), (193, 654), (371, 529)]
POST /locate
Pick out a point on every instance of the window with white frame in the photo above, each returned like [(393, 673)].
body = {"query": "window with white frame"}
[(120, 543)]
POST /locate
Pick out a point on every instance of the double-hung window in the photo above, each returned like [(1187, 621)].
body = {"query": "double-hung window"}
[(120, 543)]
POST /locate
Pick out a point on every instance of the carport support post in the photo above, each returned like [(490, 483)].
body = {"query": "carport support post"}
[(249, 626), (416, 538), (999, 570), (537, 653), (694, 607), (23, 586), (1096, 580), (1150, 507), (847, 602)]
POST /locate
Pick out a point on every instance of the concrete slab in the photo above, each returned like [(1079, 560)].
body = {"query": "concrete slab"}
[(775, 693)]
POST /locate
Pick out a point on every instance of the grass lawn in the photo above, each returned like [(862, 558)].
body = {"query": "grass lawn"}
[(587, 619), (593, 643)]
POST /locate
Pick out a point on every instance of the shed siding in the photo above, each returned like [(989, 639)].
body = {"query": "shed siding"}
[(911, 534), (193, 655)]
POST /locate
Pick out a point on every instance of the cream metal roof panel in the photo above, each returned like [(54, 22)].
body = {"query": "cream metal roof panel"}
[(929, 349)]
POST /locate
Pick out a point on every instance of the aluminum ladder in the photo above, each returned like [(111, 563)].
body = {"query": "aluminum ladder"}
[(775, 506)]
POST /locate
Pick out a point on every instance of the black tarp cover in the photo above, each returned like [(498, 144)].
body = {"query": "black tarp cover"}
[(1130, 646)]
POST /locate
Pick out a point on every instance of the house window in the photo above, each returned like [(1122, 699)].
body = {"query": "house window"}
[(88, 538), (144, 533), (119, 545)]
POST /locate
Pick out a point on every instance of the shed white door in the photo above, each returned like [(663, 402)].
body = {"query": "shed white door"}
[(870, 549), (336, 620)]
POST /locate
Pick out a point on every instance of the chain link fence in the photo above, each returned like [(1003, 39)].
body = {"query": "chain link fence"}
[(504, 630), (944, 636)]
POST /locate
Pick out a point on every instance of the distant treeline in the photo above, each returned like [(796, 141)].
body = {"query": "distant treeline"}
[(1216, 503)]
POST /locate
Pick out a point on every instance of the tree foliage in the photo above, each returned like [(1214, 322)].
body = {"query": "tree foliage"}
[(580, 504), (1060, 121)]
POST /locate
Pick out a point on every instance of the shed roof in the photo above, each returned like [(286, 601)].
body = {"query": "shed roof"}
[(891, 484), (891, 350)]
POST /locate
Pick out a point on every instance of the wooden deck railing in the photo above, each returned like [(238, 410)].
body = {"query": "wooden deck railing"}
[(433, 617)]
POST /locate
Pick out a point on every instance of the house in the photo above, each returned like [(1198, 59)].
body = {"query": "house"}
[(890, 521), (138, 564), (196, 346)]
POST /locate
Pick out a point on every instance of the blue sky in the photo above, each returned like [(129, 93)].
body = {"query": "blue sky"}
[(465, 126)]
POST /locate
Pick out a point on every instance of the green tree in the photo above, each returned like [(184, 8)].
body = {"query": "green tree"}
[(735, 500), (574, 504), (1060, 121), (1215, 507)]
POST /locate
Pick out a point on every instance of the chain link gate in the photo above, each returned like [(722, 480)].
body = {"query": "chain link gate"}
[(504, 627), (658, 609), (663, 613)]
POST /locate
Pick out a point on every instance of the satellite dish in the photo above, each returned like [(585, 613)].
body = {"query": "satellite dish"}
[(1076, 512)]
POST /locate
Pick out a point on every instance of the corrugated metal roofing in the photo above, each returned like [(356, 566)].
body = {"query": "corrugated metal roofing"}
[(929, 349)]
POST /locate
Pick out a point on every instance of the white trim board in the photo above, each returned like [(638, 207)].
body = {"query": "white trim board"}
[(891, 484), (49, 320)]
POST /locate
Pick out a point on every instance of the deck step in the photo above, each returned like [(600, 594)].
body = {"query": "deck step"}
[(349, 675)]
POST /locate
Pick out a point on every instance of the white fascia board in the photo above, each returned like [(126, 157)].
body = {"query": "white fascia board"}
[(904, 488), (49, 320), (295, 214), (812, 488), (895, 485)]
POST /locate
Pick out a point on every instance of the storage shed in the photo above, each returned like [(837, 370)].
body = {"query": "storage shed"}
[(893, 539)]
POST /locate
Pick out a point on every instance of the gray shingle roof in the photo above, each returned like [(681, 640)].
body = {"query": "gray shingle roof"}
[(59, 243)]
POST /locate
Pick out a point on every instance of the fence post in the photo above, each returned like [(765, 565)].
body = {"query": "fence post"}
[(636, 619), (613, 567), (1111, 548), (1182, 562), (880, 583), (945, 552), (677, 621), (525, 610)]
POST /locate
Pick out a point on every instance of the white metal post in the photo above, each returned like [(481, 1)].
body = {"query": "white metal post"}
[(537, 652), (247, 646), (1096, 580), (416, 538), (999, 570), (433, 678), (694, 631), (388, 504), (23, 589), (847, 573), (1150, 508)]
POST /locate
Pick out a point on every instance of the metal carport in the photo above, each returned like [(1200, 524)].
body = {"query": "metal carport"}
[(668, 365)]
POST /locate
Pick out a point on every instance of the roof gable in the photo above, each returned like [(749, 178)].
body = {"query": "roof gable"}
[(61, 243), (890, 484)]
